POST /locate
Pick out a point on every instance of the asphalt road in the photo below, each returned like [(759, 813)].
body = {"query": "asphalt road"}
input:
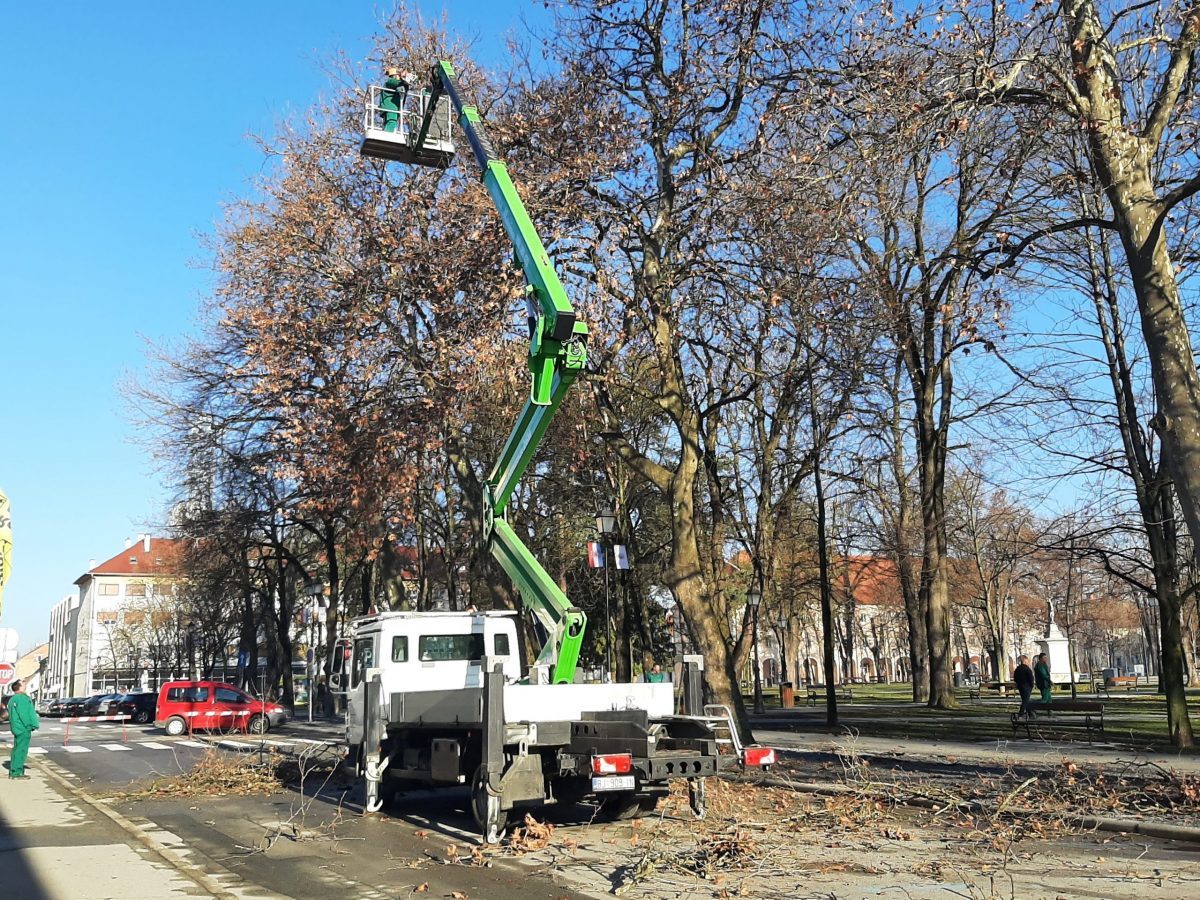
[(287, 843)]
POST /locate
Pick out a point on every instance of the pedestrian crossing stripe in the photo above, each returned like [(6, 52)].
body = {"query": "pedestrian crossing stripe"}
[(114, 746), (154, 745), (36, 751), (192, 744), (75, 748)]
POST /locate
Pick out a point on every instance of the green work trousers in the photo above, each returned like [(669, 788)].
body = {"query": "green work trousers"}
[(1046, 694), (20, 750)]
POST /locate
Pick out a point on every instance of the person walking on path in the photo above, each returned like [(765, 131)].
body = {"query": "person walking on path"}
[(1023, 677), (23, 722), (1041, 674)]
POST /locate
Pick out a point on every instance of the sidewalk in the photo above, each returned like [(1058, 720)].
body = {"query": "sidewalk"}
[(53, 847)]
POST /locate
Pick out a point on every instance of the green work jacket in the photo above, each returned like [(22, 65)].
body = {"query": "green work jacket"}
[(1042, 674), (22, 717)]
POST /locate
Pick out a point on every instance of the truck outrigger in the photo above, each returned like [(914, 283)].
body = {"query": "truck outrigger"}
[(439, 698)]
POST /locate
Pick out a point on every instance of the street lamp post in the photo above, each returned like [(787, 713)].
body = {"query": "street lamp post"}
[(754, 598), (606, 524)]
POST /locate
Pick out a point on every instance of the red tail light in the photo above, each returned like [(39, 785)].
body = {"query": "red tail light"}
[(612, 764), (758, 756)]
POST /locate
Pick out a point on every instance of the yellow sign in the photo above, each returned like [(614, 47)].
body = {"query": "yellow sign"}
[(5, 545)]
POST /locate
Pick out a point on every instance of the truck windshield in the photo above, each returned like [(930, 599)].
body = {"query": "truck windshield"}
[(445, 647)]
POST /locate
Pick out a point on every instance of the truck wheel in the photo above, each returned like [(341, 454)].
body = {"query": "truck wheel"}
[(696, 798), (485, 807), (175, 726), (621, 807)]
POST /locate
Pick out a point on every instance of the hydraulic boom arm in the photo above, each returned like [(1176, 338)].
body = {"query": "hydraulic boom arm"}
[(557, 354)]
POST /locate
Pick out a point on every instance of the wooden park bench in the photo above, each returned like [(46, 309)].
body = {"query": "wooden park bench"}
[(1085, 714), (1002, 688), (816, 693)]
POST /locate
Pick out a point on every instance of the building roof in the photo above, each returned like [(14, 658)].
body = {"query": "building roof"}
[(162, 559), (871, 580)]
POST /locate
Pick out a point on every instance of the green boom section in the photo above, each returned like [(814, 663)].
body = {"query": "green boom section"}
[(557, 354), (563, 622), (531, 426)]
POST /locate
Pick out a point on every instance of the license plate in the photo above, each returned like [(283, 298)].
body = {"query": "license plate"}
[(614, 783)]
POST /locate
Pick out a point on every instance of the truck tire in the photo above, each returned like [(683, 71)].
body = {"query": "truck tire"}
[(624, 806), (485, 807)]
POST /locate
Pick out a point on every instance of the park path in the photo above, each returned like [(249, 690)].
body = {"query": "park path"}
[(1002, 753)]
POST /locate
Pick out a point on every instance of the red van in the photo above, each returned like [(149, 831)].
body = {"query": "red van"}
[(213, 705)]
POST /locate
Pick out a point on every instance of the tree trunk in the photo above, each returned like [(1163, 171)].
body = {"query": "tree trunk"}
[(1124, 162)]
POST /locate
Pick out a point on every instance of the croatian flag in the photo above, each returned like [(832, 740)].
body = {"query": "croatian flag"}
[(620, 556), (595, 555)]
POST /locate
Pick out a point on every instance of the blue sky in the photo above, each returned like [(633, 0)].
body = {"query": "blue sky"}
[(124, 127)]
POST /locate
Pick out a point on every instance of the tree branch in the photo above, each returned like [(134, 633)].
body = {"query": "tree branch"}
[(1174, 78), (1011, 253)]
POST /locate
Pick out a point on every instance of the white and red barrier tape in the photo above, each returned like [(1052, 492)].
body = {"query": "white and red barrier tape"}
[(69, 719)]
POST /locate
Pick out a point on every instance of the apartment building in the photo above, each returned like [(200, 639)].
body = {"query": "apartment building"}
[(97, 631)]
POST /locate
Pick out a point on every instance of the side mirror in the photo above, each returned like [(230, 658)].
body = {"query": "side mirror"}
[(335, 682)]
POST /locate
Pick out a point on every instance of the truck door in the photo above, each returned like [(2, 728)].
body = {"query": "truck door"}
[(364, 658)]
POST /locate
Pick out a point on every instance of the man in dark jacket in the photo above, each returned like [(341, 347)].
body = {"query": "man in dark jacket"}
[(1041, 675), (1023, 676), (23, 721)]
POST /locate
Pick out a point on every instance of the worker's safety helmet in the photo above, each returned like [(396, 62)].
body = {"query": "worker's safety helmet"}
[(392, 70)]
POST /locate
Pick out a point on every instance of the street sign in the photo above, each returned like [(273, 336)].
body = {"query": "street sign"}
[(8, 673)]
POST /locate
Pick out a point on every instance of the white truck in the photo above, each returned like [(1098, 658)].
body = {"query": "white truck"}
[(437, 700)]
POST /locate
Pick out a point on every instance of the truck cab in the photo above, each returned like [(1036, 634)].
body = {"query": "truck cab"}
[(420, 652)]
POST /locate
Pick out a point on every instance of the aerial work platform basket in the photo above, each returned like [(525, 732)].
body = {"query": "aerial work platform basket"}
[(392, 125)]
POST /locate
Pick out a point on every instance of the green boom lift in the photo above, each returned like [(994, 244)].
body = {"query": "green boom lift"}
[(557, 340)]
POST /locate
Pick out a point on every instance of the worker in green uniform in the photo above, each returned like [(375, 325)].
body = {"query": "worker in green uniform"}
[(391, 98), (23, 721), (1041, 674)]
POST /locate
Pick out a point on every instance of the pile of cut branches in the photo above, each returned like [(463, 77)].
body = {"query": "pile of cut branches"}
[(215, 774)]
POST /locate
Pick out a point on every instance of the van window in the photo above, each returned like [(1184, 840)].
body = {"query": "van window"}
[(500, 645), (188, 694), (364, 658), (447, 647), (400, 648), (225, 695)]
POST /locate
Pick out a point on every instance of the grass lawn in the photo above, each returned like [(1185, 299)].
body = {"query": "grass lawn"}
[(1137, 719)]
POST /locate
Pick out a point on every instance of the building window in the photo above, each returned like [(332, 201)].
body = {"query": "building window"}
[(110, 590), (132, 617), (107, 617), (135, 589)]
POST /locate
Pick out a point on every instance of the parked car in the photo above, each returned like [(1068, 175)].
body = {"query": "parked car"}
[(139, 707), (99, 705), (213, 705), (71, 706)]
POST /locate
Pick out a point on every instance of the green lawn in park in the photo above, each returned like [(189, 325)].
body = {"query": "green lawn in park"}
[(1135, 719)]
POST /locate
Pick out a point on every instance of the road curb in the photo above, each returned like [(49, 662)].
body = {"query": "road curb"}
[(280, 746), (1183, 833), (170, 857)]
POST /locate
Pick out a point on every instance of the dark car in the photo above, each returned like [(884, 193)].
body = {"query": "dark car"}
[(99, 705), (57, 706), (71, 706), (139, 707)]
